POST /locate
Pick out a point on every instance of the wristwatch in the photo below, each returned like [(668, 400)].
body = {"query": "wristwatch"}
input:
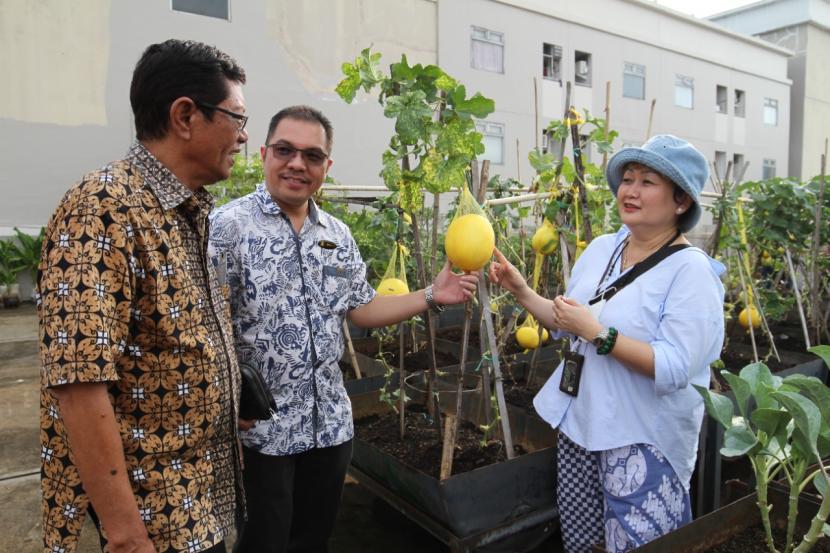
[(601, 337), (431, 300)]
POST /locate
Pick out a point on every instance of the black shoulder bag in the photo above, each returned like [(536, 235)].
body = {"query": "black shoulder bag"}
[(256, 401)]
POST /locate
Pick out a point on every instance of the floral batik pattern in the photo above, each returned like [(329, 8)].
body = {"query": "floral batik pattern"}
[(126, 297), (289, 294)]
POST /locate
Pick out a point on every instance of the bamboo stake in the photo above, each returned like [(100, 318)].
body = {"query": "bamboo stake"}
[(797, 297), (518, 162), (607, 121), (748, 304), (650, 118), (350, 345), (450, 436), (814, 284), (450, 426), (401, 379), (536, 112), (579, 179), (484, 299)]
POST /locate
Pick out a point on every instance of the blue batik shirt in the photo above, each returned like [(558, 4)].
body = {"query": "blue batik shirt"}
[(289, 294)]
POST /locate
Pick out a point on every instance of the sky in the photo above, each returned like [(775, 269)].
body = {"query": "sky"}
[(703, 8)]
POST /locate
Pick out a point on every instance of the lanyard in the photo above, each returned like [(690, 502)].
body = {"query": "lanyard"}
[(639, 268)]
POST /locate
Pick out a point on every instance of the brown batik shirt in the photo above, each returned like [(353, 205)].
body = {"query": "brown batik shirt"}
[(127, 297)]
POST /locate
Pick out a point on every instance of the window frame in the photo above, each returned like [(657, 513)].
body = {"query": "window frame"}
[(771, 103), (181, 9), (590, 63), (632, 73), (487, 38), (679, 81), (484, 127), (556, 69)]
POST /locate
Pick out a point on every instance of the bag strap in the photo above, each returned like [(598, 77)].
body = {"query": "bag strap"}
[(636, 271)]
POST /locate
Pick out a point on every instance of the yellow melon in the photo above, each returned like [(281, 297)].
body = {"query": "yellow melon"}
[(470, 242), (392, 287), (545, 239), (743, 317)]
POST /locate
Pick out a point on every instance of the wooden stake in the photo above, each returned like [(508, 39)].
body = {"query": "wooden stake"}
[(536, 112), (402, 379), (607, 121), (350, 345), (748, 304), (450, 427), (797, 297), (814, 280), (650, 118)]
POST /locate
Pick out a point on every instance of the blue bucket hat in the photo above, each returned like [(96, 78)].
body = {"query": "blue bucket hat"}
[(672, 157)]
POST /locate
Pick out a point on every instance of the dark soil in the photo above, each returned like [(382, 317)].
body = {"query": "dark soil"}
[(517, 394), (753, 540), (421, 447), (419, 360)]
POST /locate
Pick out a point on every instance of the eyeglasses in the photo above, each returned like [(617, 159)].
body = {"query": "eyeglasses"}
[(286, 152), (241, 120)]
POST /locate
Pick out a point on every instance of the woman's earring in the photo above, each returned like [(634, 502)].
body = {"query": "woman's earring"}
[(679, 210)]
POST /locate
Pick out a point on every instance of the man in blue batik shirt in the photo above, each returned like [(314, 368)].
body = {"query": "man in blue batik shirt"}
[(294, 273)]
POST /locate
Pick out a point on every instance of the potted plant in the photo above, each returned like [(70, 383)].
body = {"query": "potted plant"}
[(10, 267), (783, 426), (26, 252)]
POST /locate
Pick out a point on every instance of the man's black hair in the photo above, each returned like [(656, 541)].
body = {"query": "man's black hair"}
[(303, 113), (171, 70)]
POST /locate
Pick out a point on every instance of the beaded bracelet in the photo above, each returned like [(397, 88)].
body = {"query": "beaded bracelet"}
[(609, 342)]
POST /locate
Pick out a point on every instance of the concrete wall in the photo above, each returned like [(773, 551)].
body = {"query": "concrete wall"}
[(66, 109), (665, 42), (804, 27), (816, 100)]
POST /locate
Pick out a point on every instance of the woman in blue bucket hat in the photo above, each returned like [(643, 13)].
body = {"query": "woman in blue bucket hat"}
[(644, 311)]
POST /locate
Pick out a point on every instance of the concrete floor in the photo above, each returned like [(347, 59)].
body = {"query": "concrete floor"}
[(365, 523)]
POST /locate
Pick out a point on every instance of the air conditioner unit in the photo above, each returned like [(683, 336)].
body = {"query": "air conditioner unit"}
[(582, 68)]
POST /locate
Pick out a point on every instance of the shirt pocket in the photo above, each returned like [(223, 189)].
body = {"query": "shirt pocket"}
[(336, 291)]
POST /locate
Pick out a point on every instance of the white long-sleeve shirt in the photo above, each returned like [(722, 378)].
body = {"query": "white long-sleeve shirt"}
[(677, 308)]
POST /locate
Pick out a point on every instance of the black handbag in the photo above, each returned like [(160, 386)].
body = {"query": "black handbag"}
[(256, 402)]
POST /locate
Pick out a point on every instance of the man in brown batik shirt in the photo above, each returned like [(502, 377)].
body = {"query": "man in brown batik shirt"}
[(139, 388)]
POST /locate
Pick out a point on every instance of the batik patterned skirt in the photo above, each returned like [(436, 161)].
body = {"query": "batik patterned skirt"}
[(627, 495)]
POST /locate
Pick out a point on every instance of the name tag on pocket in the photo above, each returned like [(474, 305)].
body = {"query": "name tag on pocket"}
[(336, 271)]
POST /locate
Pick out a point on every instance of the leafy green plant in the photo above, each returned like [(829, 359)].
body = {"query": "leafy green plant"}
[(26, 251), (11, 264), (246, 173), (783, 426)]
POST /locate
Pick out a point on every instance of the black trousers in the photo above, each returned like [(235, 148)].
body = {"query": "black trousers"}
[(292, 499)]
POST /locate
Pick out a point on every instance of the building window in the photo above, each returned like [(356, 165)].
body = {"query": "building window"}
[(770, 112), (487, 50), (219, 9), (582, 68), (493, 141), (720, 99), (634, 81), (720, 164), (768, 169), (737, 166), (684, 91), (740, 103), (552, 62)]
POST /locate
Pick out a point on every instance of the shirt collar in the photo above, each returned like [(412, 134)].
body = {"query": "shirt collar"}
[(268, 205), (164, 184)]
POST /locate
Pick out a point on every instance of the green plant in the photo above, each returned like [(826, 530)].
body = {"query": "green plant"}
[(10, 263), (783, 426), (26, 251), (246, 174)]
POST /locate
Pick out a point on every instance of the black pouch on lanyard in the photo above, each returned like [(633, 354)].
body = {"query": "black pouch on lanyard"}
[(571, 373)]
